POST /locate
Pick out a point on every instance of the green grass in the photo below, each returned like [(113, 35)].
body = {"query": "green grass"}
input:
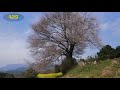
[(105, 69)]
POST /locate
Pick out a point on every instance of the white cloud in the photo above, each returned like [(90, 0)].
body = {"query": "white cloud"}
[(104, 26), (112, 26), (115, 26), (12, 50), (33, 17), (13, 39), (106, 23), (12, 47), (100, 16)]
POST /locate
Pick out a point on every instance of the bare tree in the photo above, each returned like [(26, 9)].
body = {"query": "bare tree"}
[(62, 34)]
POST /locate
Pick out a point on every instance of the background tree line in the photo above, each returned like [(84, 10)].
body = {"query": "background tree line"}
[(108, 52)]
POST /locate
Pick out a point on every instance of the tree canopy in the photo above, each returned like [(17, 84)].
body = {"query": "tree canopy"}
[(63, 34)]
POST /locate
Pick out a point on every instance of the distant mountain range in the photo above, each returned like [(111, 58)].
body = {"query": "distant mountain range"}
[(14, 68)]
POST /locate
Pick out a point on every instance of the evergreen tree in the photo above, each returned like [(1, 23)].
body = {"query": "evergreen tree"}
[(117, 51), (107, 52)]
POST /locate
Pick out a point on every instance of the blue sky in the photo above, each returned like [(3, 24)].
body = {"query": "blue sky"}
[(13, 35)]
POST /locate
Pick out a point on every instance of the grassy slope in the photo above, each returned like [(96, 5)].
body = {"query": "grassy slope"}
[(105, 69)]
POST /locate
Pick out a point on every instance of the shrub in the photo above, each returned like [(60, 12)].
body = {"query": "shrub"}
[(68, 64), (65, 66), (74, 62), (117, 51), (52, 75), (6, 75), (9, 76), (57, 68), (30, 74)]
